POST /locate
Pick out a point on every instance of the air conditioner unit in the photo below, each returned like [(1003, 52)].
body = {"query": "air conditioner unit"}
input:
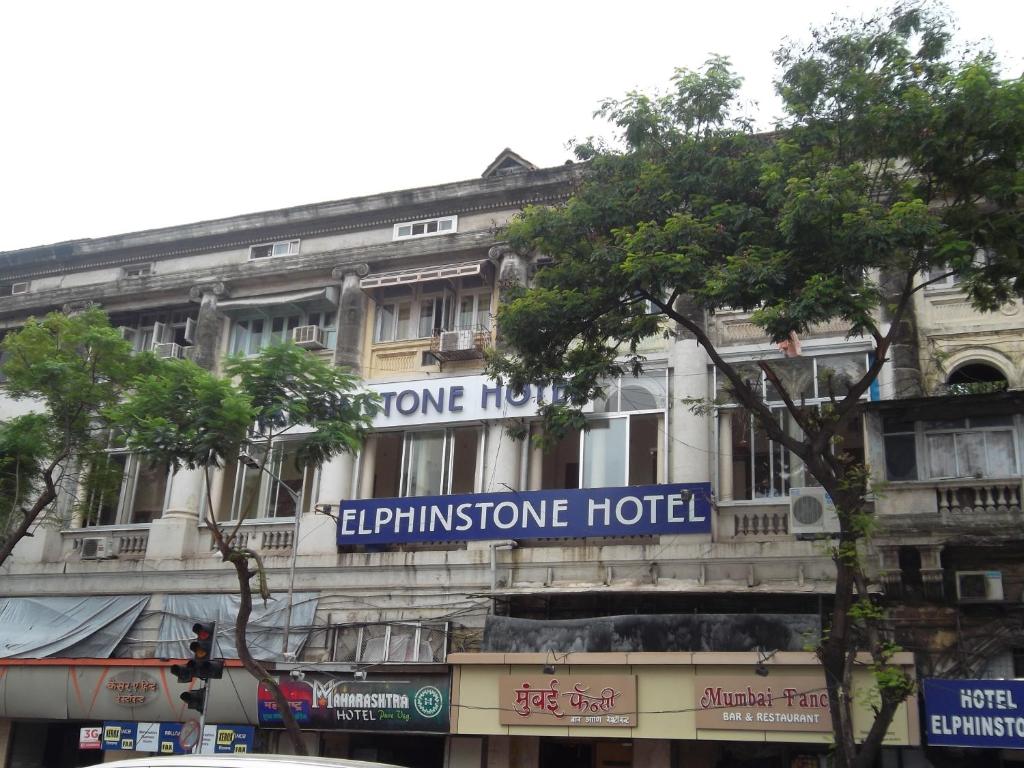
[(98, 548), (979, 586), (457, 341), (167, 349), (309, 337), (811, 513)]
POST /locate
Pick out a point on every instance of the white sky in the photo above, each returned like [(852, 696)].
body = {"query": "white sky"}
[(122, 116)]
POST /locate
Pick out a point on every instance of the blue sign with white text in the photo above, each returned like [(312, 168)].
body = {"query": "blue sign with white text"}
[(677, 508), (974, 713)]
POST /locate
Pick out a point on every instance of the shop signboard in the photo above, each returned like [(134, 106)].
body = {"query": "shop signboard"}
[(568, 700), (458, 398), (974, 713), (786, 700), (89, 738), (677, 508), (165, 738), (338, 702)]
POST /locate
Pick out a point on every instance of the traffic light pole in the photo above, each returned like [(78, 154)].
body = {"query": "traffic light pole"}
[(202, 718)]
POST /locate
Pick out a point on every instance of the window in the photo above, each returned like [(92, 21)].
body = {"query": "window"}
[(124, 489), (274, 491), (944, 280), (13, 289), (974, 446), (149, 328), (270, 250), (401, 642), (426, 227), (762, 468), (410, 313), (976, 378), (251, 334), (431, 462), (623, 442), (137, 270)]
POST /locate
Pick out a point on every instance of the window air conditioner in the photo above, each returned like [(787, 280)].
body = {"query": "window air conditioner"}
[(979, 586), (457, 341), (811, 513), (97, 549), (309, 337), (167, 349)]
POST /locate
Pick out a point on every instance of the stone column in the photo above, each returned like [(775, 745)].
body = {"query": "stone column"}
[(536, 461), (367, 467), (208, 324), (175, 536), (318, 532), (351, 316), (725, 478), (501, 460)]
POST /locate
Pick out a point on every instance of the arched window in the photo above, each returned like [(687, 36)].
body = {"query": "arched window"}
[(976, 378)]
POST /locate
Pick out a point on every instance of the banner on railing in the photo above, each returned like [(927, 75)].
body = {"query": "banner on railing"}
[(678, 508)]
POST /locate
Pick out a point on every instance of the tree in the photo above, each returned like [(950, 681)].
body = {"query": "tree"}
[(189, 418), (70, 368), (897, 164)]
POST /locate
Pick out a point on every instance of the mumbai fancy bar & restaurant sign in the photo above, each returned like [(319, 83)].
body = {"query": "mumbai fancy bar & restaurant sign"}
[(568, 700), (785, 700)]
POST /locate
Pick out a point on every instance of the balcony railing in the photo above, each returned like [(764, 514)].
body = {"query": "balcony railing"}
[(978, 497), (266, 536), (121, 541), (744, 521)]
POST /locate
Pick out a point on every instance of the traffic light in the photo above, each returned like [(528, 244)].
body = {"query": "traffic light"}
[(184, 672), (202, 663), (195, 699)]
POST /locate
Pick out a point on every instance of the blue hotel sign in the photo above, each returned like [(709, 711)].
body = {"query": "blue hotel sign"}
[(677, 508), (974, 713)]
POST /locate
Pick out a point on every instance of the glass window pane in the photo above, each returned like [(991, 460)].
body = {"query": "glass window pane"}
[(404, 231), (404, 326), (644, 449), (103, 485), (465, 313), (900, 457), (941, 459), (444, 225), (1001, 455), (426, 318), (418, 229), (283, 494), (464, 449), (970, 454), (837, 373), (150, 490), (256, 342), (742, 457), (431, 226), (483, 311), (385, 322), (424, 463), (604, 454), (796, 375)]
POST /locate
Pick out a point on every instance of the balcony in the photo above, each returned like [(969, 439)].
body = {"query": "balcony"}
[(463, 344), (753, 521), (967, 506), (105, 542), (268, 537)]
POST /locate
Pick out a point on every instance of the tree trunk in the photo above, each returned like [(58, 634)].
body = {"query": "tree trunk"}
[(252, 666), (28, 518)]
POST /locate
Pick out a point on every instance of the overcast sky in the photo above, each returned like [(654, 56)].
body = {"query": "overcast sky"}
[(123, 116)]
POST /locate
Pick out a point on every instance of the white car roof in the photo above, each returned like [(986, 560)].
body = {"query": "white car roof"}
[(243, 761)]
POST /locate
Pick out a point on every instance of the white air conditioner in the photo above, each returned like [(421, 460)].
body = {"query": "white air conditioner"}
[(98, 548), (309, 337), (457, 341), (811, 512), (167, 349), (979, 586)]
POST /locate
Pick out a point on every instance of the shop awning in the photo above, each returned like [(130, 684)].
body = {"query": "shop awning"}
[(67, 627), (265, 632), (314, 298), (422, 275)]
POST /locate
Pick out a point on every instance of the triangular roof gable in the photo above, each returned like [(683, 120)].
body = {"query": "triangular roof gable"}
[(507, 162)]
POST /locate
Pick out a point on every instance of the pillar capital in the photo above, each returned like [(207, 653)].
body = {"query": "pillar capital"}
[(216, 288)]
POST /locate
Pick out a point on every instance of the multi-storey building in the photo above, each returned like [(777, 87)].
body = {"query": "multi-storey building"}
[(460, 597)]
